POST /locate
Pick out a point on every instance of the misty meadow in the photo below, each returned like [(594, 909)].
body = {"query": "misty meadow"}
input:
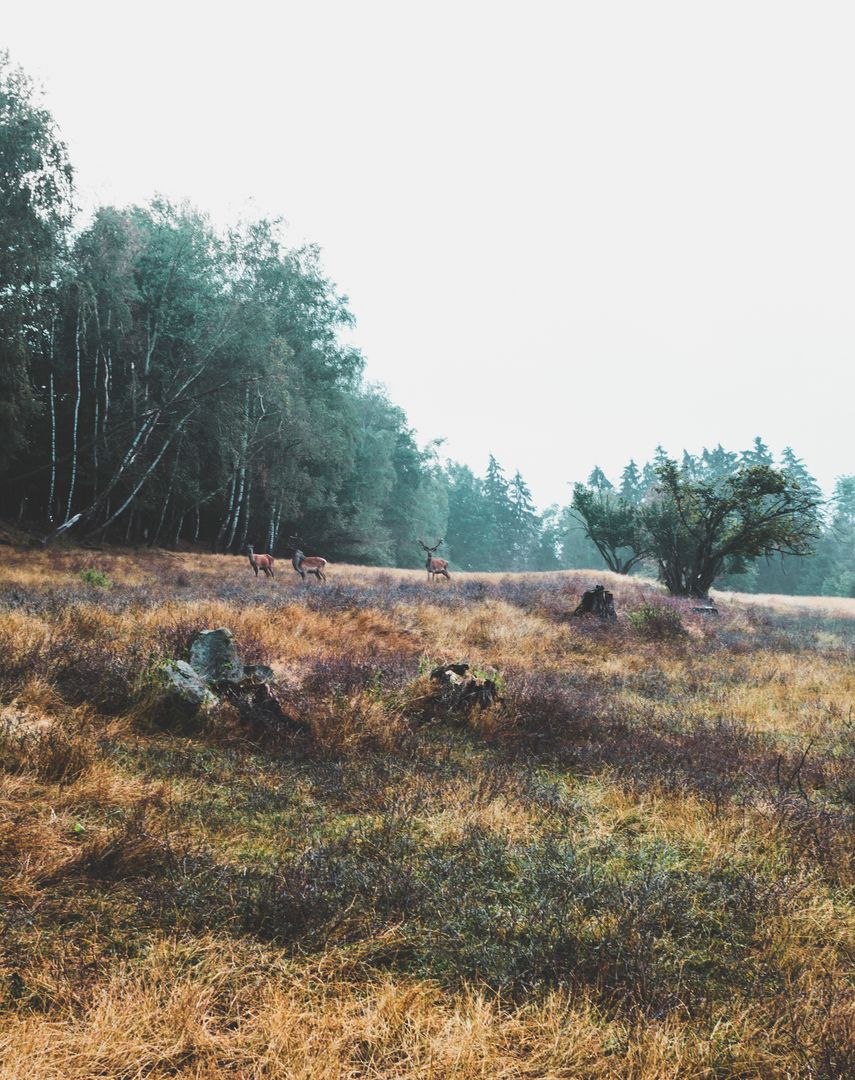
[(324, 754)]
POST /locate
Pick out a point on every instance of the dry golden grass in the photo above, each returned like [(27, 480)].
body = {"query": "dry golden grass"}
[(838, 606), (211, 1009), (233, 902)]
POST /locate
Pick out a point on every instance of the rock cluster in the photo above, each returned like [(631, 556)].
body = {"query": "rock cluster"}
[(215, 675), (214, 657)]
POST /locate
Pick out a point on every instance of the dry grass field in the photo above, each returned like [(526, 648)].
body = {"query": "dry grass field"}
[(637, 863)]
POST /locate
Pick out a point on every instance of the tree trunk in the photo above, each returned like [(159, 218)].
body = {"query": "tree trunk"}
[(271, 530), (52, 491), (221, 533), (246, 512), (166, 501), (243, 456), (73, 480), (597, 601), (178, 529), (96, 409), (144, 477), (108, 374)]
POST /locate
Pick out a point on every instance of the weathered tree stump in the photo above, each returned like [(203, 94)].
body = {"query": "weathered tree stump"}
[(597, 601), (461, 690)]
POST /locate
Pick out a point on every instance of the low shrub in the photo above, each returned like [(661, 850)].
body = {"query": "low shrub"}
[(657, 622), (94, 673), (652, 935), (96, 578)]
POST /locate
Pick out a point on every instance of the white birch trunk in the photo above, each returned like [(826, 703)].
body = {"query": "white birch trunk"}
[(53, 429), (168, 498), (138, 486), (73, 480), (243, 455), (246, 512)]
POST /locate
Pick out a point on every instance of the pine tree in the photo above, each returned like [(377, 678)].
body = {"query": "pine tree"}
[(599, 481), (718, 463), (35, 211), (524, 524), (631, 485), (498, 526), (466, 518), (759, 454)]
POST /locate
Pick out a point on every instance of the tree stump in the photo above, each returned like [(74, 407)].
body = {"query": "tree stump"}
[(461, 690), (597, 601)]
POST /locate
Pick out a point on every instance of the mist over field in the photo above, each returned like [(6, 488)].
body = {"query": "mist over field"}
[(464, 689)]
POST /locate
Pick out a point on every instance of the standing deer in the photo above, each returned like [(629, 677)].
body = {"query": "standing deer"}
[(432, 565), (260, 562), (308, 564)]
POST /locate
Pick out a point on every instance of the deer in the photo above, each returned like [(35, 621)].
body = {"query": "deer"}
[(260, 562), (432, 565), (308, 564)]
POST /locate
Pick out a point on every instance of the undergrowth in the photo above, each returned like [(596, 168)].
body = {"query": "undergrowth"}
[(639, 861)]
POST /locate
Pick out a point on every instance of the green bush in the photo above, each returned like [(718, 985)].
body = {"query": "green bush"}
[(657, 622), (97, 578)]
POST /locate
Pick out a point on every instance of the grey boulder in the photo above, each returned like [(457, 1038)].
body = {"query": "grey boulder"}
[(214, 657), (183, 686)]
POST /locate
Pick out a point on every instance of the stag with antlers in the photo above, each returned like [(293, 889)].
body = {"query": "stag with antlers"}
[(307, 564), (432, 565)]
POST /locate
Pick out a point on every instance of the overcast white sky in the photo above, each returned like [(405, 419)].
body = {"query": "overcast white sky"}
[(568, 231)]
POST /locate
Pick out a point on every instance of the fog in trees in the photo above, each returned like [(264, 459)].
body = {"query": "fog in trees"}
[(167, 383)]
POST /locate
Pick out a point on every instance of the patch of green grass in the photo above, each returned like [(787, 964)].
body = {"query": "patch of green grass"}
[(96, 578)]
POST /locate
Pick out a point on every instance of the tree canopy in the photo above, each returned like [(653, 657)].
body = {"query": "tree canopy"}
[(165, 382), (696, 529)]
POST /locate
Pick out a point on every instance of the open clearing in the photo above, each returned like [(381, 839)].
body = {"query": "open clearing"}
[(637, 863)]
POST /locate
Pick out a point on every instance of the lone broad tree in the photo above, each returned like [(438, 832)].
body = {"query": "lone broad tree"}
[(699, 529), (613, 524)]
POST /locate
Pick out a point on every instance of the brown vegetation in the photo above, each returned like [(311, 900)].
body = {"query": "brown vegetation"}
[(639, 861)]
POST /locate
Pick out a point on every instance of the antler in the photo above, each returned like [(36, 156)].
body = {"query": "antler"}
[(434, 548)]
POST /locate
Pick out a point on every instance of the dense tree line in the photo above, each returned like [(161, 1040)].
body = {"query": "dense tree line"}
[(760, 524), (163, 382), (492, 524)]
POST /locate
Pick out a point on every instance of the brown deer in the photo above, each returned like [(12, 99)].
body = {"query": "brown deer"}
[(432, 565), (260, 562), (308, 564)]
